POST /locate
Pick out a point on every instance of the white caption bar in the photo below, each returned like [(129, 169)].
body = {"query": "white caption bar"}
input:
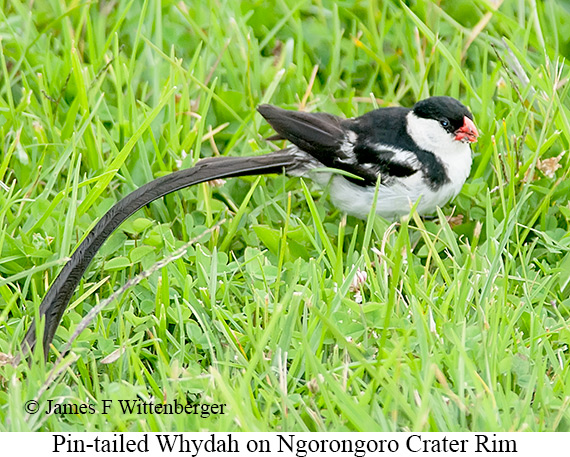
[(286, 444)]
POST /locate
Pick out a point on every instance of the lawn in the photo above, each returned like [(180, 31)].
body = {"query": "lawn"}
[(292, 315)]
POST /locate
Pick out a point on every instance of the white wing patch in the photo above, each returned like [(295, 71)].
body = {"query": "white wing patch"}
[(347, 147), (401, 156)]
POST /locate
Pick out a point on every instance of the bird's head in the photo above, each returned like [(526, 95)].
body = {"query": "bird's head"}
[(449, 115)]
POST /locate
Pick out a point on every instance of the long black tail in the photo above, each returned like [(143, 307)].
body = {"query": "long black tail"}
[(58, 296)]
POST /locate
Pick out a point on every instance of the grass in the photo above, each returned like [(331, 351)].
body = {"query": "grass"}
[(452, 326)]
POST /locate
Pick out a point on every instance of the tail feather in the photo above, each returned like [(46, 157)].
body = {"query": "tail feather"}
[(59, 294)]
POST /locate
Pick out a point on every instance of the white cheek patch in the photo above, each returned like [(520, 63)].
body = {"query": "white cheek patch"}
[(428, 133), (454, 155)]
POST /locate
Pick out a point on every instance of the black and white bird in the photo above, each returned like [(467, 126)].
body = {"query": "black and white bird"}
[(423, 152)]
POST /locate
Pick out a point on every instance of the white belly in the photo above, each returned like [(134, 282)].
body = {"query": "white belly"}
[(397, 199), (393, 202)]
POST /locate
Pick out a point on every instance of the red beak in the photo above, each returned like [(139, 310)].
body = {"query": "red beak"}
[(468, 132)]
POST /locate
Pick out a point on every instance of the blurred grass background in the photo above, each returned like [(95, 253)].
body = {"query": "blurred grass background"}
[(297, 318)]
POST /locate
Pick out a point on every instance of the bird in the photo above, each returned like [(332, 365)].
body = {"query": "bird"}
[(423, 152)]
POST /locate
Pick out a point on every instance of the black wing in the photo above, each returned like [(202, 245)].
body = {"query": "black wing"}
[(336, 144), (314, 133), (321, 135)]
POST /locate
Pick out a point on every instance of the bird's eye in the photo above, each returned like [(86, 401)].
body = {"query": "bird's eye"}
[(444, 122)]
